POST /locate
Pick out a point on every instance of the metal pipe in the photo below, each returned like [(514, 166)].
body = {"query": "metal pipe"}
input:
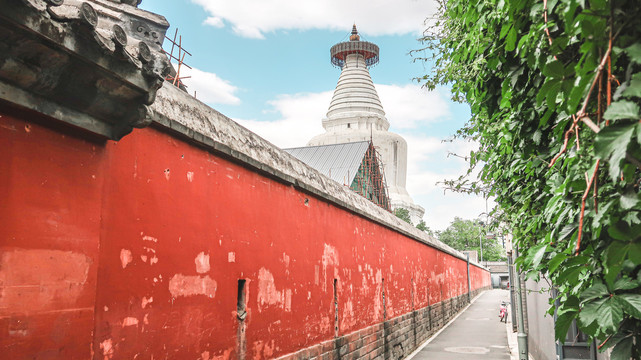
[(481, 245), (521, 336), (469, 282), (510, 268), (559, 345)]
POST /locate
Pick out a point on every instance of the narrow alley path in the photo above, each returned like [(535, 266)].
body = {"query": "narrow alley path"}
[(476, 334)]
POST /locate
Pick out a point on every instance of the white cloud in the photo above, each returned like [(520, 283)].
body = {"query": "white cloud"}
[(443, 208), (429, 162), (209, 88), (254, 18), (215, 22), (410, 105), (301, 116)]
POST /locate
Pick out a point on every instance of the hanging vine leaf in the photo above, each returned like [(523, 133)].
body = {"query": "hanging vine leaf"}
[(623, 350), (632, 304), (622, 110), (611, 144)]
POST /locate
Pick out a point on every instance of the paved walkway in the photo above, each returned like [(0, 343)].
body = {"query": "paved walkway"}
[(476, 334)]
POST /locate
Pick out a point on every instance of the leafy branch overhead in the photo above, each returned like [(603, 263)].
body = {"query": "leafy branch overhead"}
[(555, 92)]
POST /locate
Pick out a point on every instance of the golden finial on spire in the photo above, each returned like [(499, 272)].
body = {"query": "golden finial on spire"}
[(354, 36)]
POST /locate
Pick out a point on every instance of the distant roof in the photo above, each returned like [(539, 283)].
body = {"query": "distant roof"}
[(340, 162), (496, 266)]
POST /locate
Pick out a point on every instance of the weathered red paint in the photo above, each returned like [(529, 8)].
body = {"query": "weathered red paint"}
[(164, 230), (51, 195)]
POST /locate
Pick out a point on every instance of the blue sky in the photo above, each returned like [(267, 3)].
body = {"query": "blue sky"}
[(265, 64)]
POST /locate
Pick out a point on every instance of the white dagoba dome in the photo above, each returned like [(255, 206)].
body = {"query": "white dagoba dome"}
[(356, 114)]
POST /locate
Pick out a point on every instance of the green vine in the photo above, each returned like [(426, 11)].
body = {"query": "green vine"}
[(554, 89)]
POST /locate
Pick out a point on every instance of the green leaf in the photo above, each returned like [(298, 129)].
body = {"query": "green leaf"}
[(569, 274), (562, 324), (625, 284), (553, 92), (595, 291), (504, 29), (623, 350), (611, 274), (598, 4), (554, 69), (616, 252), (571, 304), (628, 267), (554, 263), (634, 52), (622, 231), (535, 255), (634, 254), (611, 145), (514, 75), (536, 137), (610, 314), (581, 85), (545, 89), (510, 40), (622, 109), (589, 313), (633, 90), (566, 231), (631, 303), (629, 200)]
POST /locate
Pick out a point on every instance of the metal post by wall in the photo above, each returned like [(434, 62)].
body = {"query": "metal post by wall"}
[(469, 281), (521, 336), (510, 268), (559, 345), (481, 246)]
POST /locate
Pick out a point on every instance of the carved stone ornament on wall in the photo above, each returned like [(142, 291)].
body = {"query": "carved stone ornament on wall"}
[(95, 64)]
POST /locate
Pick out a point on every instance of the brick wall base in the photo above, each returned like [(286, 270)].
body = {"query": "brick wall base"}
[(394, 339)]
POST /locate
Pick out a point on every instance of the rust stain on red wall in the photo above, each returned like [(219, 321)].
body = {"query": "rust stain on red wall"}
[(181, 226)]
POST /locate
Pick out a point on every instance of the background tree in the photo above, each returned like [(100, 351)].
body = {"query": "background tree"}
[(467, 235), (423, 227), (403, 214), (554, 88)]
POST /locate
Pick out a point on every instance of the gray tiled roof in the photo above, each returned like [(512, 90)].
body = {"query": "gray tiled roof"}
[(340, 162), (496, 266)]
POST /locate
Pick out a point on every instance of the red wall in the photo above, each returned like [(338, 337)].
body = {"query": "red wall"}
[(50, 203), (156, 233)]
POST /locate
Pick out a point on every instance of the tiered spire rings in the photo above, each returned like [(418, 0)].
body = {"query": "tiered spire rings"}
[(368, 50)]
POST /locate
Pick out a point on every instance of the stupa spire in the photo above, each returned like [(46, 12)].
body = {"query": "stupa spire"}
[(356, 114), (355, 98)]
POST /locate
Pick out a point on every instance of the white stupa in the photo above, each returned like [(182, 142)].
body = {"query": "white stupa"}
[(356, 114)]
